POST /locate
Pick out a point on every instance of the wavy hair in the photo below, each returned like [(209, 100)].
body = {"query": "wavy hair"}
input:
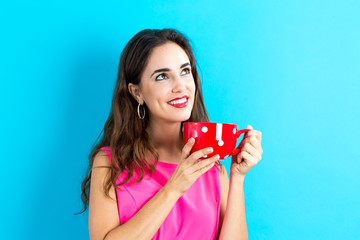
[(124, 131)]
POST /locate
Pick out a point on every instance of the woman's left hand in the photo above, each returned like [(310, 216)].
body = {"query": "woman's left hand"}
[(249, 155)]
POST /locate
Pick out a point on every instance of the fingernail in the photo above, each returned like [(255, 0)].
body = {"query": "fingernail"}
[(217, 156), (191, 140), (210, 150)]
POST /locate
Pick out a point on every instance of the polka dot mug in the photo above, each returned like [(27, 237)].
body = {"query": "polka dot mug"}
[(221, 137)]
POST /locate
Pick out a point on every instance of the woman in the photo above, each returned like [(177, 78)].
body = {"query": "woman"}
[(143, 181)]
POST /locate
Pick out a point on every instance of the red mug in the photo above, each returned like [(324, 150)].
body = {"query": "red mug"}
[(221, 137)]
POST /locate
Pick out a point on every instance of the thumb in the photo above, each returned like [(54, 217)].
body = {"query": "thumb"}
[(248, 127)]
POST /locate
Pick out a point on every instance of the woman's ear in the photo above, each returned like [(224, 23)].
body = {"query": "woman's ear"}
[(135, 92)]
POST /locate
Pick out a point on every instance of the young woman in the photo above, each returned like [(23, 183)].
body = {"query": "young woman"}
[(143, 183)]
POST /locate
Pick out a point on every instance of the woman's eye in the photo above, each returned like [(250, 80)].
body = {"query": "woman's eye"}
[(187, 70), (161, 77)]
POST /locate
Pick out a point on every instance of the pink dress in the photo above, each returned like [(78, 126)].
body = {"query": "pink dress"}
[(194, 216)]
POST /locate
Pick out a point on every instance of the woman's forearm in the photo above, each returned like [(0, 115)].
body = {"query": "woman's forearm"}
[(146, 222), (234, 224)]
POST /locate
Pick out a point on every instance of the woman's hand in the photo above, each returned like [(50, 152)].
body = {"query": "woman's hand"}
[(249, 155), (190, 169)]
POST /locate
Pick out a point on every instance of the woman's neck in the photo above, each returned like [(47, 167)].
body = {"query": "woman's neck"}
[(165, 136)]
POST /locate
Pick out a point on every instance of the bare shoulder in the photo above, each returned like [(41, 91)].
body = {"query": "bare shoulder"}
[(100, 172), (101, 159)]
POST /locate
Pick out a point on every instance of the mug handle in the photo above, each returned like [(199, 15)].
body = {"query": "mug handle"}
[(238, 133)]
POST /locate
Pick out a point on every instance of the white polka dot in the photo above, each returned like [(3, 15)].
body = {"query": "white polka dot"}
[(205, 156), (221, 142), (204, 129), (226, 156), (234, 131)]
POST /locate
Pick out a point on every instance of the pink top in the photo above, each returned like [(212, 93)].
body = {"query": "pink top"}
[(194, 216)]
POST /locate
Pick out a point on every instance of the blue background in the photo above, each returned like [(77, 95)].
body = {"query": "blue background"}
[(291, 69)]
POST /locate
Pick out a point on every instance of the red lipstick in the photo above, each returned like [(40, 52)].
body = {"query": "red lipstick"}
[(179, 104)]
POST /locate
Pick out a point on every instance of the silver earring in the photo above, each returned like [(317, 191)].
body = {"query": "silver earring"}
[(138, 111)]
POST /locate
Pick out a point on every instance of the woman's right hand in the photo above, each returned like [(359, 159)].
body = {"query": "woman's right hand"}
[(190, 169)]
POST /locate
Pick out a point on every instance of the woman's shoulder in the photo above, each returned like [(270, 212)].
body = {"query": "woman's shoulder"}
[(102, 158)]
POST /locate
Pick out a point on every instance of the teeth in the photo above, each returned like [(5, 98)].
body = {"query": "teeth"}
[(178, 101)]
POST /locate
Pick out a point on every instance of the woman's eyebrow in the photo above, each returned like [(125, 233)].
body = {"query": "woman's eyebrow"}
[(185, 64), (167, 69)]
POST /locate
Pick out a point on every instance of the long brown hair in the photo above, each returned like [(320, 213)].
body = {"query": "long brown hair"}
[(124, 131)]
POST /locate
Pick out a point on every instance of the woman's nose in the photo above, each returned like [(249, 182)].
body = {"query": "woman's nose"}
[(179, 84)]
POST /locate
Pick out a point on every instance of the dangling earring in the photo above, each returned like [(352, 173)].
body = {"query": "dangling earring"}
[(138, 111)]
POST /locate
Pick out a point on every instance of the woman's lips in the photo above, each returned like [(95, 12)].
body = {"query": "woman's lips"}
[(179, 105)]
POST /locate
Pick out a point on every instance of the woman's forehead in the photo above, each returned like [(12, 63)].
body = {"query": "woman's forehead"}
[(170, 55)]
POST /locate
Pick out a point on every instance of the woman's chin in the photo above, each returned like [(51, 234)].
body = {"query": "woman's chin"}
[(179, 119)]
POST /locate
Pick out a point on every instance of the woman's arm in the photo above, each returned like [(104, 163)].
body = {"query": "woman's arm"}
[(234, 219), (103, 215), (146, 222), (234, 223), (103, 212)]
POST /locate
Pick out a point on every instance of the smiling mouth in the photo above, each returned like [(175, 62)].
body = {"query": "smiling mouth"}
[(179, 103)]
